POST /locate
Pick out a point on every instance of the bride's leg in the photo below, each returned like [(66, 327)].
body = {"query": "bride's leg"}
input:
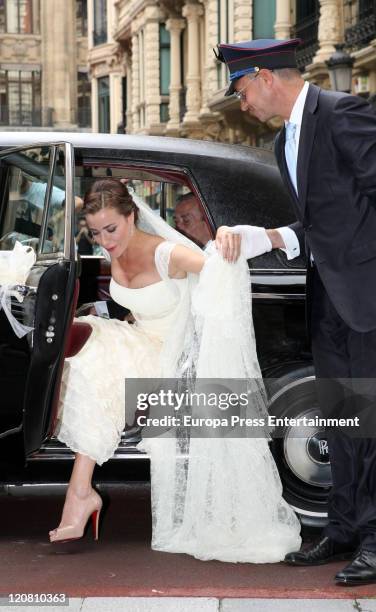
[(80, 502)]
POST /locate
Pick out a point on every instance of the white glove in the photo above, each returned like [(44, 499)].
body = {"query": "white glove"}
[(255, 240)]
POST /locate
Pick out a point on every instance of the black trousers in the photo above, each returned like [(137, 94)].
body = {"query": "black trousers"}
[(345, 365)]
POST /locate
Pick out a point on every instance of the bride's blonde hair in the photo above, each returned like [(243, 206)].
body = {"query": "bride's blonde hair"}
[(109, 193)]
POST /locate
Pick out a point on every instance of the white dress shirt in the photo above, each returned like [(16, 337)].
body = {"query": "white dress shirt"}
[(289, 237), (254, 239)]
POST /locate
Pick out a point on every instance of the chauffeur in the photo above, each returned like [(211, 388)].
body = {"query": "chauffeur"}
[(326, 153)]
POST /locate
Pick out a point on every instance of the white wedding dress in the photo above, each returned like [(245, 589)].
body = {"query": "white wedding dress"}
[(220, 499), (92, 399)]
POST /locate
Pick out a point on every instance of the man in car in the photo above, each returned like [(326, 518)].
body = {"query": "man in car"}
[(326, 153), (189, 219)]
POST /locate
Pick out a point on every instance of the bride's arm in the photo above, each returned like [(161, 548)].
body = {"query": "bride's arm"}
[(184, 259)]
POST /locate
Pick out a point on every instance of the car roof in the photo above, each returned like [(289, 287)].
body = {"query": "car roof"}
[(180, 146)]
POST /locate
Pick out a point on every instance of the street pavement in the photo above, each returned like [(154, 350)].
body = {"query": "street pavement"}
[(201, 604), (121, 572)]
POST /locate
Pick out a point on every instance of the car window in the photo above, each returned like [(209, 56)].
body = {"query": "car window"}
[(53, 239), (170, 197), (24, 178), (25, 193), (252, 194)]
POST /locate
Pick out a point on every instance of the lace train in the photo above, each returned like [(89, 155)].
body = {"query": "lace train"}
[(232, 509)]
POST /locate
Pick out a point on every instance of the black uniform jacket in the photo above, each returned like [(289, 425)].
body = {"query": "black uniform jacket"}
[(336, 206)]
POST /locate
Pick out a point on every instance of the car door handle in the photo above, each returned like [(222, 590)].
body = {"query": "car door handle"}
[(26, 290)]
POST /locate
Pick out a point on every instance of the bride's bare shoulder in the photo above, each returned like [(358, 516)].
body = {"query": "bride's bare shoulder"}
[(152, 240)]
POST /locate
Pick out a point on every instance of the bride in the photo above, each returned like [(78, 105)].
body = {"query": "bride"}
[(213, 497)]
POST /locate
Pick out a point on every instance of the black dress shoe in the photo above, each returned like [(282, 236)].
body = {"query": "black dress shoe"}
[(320, 552), (361, 570)]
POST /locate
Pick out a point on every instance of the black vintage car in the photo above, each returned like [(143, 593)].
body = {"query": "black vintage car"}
[(42, 175)]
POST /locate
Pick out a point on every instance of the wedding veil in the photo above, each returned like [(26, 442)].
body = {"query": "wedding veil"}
[(216, 495), (213, 335)]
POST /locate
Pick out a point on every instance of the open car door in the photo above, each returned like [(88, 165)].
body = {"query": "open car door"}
[(37, 210)]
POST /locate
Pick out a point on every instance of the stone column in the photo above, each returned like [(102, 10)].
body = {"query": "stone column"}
[(135, 82), (175, 26), (210, 74), (242, 20), (129, 94), (282, 24), (111, 19), (94, 104), (90, 24), (152, 88), (115, 101), (59, 78), (329, 29), (193, 12)]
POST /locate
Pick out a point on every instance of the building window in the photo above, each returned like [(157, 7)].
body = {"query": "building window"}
[(164, 74), (183, 91), (263, 18), (306, 28), (19, 16), (360, 24), (2, 16), (81, 18), (20, 97), (305, 9), (124, 108), (164, 51), (104, 105), (3, 98), (367, 8), (83, 99), (225, 34), (100, 22)]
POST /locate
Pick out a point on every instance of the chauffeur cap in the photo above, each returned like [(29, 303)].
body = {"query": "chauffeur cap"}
[(250, 56)]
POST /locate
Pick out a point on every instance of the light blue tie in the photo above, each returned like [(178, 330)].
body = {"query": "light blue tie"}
[(291, 152)]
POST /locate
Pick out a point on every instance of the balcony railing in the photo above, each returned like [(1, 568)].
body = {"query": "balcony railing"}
[(366, 8), (307, 30), (364, 30), (20, 117), (38, 118)]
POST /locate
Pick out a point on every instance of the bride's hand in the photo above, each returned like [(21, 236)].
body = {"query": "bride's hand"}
[(228, 243)]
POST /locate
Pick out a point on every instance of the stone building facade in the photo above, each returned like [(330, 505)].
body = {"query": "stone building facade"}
[(160, 76), (147, 66), (44, 81)]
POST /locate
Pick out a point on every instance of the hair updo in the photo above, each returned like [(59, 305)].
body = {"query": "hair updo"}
[(109, 193)]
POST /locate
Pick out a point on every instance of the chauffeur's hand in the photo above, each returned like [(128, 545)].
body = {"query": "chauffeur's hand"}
[(251, 239), (228, 243)]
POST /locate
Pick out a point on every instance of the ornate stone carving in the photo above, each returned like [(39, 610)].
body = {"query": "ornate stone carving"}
[(192, 11), (329, 31), (26, 50)]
